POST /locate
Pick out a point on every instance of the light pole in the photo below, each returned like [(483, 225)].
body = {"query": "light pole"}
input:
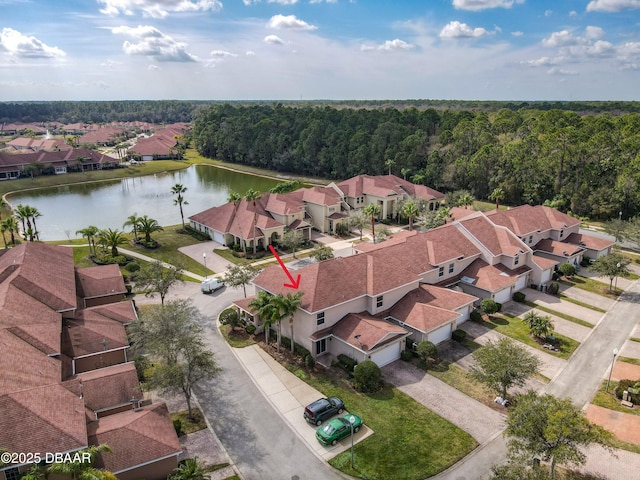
[(204, 256), (615, 353), (617, 272), (352, 419)]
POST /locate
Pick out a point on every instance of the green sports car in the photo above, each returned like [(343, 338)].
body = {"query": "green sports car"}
[(337, 429)]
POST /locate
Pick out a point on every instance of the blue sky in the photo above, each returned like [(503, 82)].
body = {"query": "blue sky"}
[(319, 49)]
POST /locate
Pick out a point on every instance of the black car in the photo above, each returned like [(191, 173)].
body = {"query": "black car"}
[(322, 409)]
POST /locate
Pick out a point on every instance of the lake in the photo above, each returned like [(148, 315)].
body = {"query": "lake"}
[(70, 208)]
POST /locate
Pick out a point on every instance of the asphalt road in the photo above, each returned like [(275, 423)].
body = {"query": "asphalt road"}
[(258, 440)]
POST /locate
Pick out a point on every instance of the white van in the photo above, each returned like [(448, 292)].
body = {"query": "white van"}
[(211, 285)]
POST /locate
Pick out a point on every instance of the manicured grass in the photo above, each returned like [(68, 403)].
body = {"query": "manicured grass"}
[(582, 304), (635, 339), (236, 341), (589, 285), (460, 379), (610, 402), (633, 361), (189, 426), (410, 442), (515, 328), (559, 314)]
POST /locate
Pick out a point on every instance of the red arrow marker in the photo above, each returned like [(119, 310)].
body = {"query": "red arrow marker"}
[(295, 284)]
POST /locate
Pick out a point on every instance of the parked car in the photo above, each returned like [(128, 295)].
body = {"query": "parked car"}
[(211, 285), (337, 429), (323, 408)]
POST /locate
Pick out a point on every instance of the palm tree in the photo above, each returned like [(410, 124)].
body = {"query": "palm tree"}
[(111, 238), (147, 226), (372, 210), (288, 306), (9, 225), (389, 163), (410, 210), (267, 310), (404, 172), (497, 195), (178, 189), (90, 232), (190, 469), (465, 200), (253, 196), (21, 214), (444, 213), (35, 213), (81, 470), (132, 221), (3, 205), (234, 197)]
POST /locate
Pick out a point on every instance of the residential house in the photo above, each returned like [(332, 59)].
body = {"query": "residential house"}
[(161, 145), (66, 381), (28, 144)]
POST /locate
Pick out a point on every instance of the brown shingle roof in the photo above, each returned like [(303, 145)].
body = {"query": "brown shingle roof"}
[(526, 219), (588, 241), (386, 185), (135, 437), (491, 277), (558, 248), (99, 281), (372, 332), (110, 386), (497, 239), (85, 334)]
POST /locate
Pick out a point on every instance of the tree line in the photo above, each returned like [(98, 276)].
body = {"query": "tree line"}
[(584, 164)]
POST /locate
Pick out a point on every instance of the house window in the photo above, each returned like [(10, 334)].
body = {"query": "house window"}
[(530, 238), (321, 346), (561, 233), (516, 261), (451, 267), (12, 474), (379, 301), (441, 271), (320, 318)]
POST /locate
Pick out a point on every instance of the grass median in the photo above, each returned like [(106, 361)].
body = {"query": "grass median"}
[(410, 442)]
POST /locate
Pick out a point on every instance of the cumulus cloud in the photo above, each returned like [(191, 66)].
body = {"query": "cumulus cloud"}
[(157, 8), (612, 5), (476, 5), (273, 40), (281, 2), (222, 54), (23, 46), (151, 42), (456, 29), (388, 46), (560, 71), (289, 22)]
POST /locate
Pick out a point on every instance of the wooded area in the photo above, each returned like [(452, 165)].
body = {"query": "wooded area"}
[(588, 165)]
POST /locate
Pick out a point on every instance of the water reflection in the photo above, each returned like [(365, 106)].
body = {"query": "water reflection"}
[(107, 204)]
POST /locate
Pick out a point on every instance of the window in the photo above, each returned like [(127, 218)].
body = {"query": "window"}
[(561, 233), (321, 346), (379, 301), (451, 267), (12, 474), (441, 271), (320, 318), (530, 238), (516, 261)]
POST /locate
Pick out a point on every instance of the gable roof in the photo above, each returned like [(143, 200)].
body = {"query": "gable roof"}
[(525, 219), (110, 387), (497, 239), (491, 278), (86, 333), (384, 186), (371, 332), (588, 241), (99, 281), (560, 249)]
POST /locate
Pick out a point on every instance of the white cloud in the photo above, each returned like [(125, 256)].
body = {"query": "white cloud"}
[(157, 8), (559, 39), (456, 29), (289, 22), (250, 53), (222, 54), (612, 5), (273, 40), (559, 71), (23, 46), (593, 33), (320, 1), (388, 46), (475, 5), (151, 42), (573, 13), (629, 55), (517, 34), (541, 62), (281, 2), (153, 67), (548, 13)]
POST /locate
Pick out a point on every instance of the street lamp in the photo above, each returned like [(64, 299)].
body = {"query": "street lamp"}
[(617, 272), (615, 353), (204, 256), (352, 419)]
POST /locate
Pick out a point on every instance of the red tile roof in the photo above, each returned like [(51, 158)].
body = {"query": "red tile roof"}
[(135, 437)]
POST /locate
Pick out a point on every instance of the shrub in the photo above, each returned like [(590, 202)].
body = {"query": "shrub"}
[(585, 262), (426, 351), (488, 306), (625, 385), (342, 229), (367, 376), (230, 317), (519, 297), (250, 329), (132, 267), (141, 363), (556, 276), (194, 233), (475, 315), (458, 335), (347, 363), (553, 288), (406, 355), (177, 425), (309, 362), (300, 350), (567, 269)]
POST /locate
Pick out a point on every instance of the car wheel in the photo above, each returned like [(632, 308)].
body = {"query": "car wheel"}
[(340, 410), (318, 422), (334, 443), (356, 430)]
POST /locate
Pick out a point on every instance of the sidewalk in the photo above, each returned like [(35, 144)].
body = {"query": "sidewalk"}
[(289, 395)]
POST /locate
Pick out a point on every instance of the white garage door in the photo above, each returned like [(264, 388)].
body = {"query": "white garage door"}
[(218, 237), (440, 335), (503, 296), (521, 283), (387, 355)]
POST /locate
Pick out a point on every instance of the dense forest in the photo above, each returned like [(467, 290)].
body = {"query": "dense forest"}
[(586, 164)]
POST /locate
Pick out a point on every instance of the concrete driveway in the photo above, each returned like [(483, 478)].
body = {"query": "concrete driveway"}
[(590, 298), (554, 303), (214, 262)]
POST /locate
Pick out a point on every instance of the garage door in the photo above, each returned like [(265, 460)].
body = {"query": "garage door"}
[(503, 296), (386, 355), (440, 335), (521, 283), (218, 237)]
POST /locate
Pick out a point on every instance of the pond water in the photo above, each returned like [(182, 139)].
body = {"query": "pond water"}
[(108, 204)]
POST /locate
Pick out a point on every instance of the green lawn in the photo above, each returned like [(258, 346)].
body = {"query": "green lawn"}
[(610, 402), (514, 327), (559, 314), (589, 285), (460, 379), (410, 442)]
